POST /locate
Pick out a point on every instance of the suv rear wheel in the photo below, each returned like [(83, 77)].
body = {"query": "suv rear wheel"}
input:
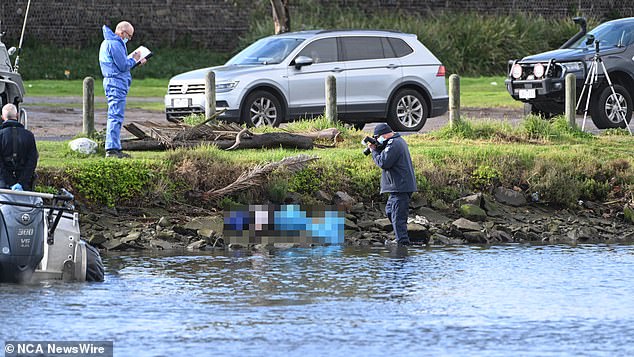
[(605, 107), (262, 108), (408, 111)]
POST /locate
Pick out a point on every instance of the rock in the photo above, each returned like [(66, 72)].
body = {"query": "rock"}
[(323, 196), (206, 232), (500, 236), (419, 220), (349, 224), (439, 205), (465, 225), (583, 234), (365, 225), (161, 244), (216, 223), (472, 212), (164, 222), (115, 244), (438, 238), (97, 239), (344, 200), (475, 237), (351, 217), (197, 245), (119, 234), (491, 207), (417, 232), (628, 214), (166, 235), (384, 224), (509, 197), (417, 201), (131, 237), (475, 200), (432, 216), (358, 208)]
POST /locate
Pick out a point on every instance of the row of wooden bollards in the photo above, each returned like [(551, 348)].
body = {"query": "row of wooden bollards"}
[(331, 100)]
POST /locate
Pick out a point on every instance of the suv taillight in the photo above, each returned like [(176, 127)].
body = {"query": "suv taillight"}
[(441, 71)]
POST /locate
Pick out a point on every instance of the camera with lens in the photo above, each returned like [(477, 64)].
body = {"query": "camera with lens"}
[(370, 140)]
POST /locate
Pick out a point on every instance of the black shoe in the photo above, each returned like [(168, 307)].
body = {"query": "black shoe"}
[(117, 154)]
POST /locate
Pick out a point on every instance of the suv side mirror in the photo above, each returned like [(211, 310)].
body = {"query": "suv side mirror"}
[(590, 40), (302, 61), (11, 51)]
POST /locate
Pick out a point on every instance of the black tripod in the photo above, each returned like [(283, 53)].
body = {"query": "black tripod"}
[(593, 78)]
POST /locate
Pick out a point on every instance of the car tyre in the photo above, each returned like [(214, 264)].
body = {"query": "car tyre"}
[(262, 108), (408, 111), (605, 111)]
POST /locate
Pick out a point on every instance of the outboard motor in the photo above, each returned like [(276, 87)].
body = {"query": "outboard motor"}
[(21, 237), (42, 242)]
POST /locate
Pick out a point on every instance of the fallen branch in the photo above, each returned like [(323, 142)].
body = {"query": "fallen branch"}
[(257, 175)]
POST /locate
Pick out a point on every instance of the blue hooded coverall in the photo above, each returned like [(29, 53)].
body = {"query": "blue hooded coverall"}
[(115, 68), (397, 179)]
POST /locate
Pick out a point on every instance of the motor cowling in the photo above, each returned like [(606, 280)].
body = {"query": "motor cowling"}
[(21, 237)]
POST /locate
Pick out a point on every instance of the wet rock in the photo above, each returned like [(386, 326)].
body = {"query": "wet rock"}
[(509, 197), (164, 222), (344, 200), (323, 196), (464, 225), (115, 244), (474, 237), (439, 239), (417, 232), (97, 239), (472, 212), (131, 237), (160, 244), (583, 234), (384, 224), (500, 236), (475, 200), (197, 245), (349, 224), (432, 216)]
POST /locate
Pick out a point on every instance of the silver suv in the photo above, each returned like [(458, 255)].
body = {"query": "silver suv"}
[(381, 75)]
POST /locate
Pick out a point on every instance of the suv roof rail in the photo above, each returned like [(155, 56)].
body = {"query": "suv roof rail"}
[(358, 30)]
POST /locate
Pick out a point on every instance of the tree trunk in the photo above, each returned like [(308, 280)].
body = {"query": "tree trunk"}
[(281, 16), (267, 140)]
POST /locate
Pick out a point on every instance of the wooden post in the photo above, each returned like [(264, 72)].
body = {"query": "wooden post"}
[(210, 94), (571, 99), (454, 100), (88, 114), (331, 98)]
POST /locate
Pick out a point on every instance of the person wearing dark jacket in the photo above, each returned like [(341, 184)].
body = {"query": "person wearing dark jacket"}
[(397, 177), (18, 151)]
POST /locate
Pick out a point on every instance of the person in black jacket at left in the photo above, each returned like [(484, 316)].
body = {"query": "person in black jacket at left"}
[(18, 152)]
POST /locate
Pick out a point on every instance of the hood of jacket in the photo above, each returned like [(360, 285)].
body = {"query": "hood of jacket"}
[(109, 35)]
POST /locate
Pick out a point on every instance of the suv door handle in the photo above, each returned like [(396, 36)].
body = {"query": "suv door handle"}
[(337, 69), (392, 66)]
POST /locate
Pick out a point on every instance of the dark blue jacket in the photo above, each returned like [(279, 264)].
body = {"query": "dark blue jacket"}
[(114, 61), (398, 172), (18, 168)]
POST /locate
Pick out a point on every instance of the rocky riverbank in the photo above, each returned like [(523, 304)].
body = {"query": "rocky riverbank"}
[(503, 217)]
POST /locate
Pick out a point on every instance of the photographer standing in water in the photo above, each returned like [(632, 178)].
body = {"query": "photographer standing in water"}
[(397, 177)]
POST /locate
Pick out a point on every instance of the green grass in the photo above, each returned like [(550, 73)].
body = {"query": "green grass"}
[(149, 87), (485, 92)]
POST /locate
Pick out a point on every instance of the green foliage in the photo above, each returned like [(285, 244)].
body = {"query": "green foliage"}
[(110, 182), (194, 119), (484, 177), (305, 181), (277, 190), (615, 132)]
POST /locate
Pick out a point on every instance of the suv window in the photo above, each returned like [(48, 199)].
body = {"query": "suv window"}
[(321, 51), (362, 48), (400, 47)]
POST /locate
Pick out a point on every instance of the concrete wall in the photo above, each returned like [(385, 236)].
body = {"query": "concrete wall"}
[(219, 24)]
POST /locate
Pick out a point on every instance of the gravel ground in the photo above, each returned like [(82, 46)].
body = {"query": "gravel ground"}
[(62, 119)]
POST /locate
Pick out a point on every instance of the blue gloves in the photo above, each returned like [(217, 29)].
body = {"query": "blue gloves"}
[(17, 187)]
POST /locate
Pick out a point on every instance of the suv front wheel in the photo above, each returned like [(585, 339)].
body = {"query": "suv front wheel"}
[(605, 108), (408, 111), (262, 108)]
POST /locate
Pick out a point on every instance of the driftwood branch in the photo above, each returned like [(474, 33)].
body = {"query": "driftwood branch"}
[(257, 175)]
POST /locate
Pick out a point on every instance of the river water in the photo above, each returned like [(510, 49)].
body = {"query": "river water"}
[(506, 300)]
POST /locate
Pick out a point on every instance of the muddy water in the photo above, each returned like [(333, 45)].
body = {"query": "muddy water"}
[(334, 301)]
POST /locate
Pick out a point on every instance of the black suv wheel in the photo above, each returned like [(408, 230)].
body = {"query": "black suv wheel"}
[(605, 107), (408, 111), (262, 108)]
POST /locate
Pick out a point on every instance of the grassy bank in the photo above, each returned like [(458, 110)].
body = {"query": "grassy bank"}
[(561, 164)]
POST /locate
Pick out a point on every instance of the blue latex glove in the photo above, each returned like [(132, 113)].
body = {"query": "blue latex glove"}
[(17, 187)]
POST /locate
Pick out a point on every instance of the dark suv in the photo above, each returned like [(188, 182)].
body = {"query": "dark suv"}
[(539, 79)]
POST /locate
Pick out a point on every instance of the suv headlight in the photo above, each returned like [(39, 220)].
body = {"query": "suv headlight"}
[(573, 66), (226, 86)]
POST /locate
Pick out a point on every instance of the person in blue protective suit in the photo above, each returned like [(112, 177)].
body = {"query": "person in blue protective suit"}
[(115, 68), (397, 178), (18, 152)]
